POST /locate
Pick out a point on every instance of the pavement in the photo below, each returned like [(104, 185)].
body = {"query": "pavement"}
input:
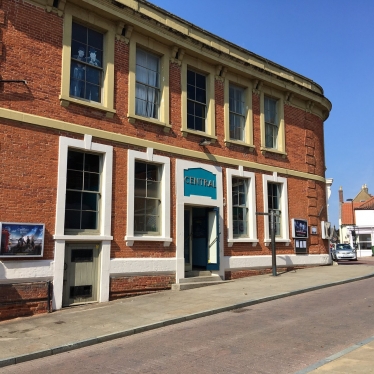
[(29, 338)]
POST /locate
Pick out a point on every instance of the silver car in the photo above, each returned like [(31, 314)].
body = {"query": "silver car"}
[(344, 252)]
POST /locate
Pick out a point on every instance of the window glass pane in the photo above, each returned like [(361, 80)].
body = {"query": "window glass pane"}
[(200, 81), (147, 95), (79, 33), (235, 213), (92, 92), (95, 39), (152, 172), (199, 124), (191, 77), (93, 75), (140, 170), (91, 162), (73, 200), (190, 122), (152, 224), (78, 181), (141, 74), (86, 63), (191, 92), (89, 201), (74, 180), (139, 206), (235, 228), (72, 219), (152, 206), (140, 188), (153, 189), (89, 221), (200, 95), (190, 108), (139, 225), (242, 228), (91, 182), (75, 160)]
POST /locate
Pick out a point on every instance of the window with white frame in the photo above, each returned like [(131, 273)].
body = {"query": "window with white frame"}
[(148, 197), (147, 192), (276, 199), (196, 101), (271, 122), (82, 191), (237, 113), (147, 96), (241, 206), (274, 196)]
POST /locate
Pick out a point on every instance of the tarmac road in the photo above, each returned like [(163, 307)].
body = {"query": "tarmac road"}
[(280, 336)]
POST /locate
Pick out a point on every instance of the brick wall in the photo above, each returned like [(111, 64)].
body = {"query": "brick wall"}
[(32, 41), (139, 285), (24, 299), (237, 274)]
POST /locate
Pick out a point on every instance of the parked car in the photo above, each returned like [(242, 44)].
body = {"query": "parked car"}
[(344, 252)]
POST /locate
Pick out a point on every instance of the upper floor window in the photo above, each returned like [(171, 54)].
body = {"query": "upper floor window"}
[(147, 193), (82, 191), (86, 70), (147, 96), (196, 101), (271, 123), (237, 113)]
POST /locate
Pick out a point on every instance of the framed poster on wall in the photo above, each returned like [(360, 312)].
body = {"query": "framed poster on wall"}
[(299, 228), (21, 239)]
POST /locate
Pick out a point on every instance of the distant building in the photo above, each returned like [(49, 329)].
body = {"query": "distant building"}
[(356, 221)]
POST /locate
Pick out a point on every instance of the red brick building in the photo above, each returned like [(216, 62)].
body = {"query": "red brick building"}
[(137, 149)]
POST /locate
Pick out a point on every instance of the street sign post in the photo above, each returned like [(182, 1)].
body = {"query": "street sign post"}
[(272, 214)]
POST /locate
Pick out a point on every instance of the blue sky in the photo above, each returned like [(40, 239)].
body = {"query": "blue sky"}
[(328, 41)]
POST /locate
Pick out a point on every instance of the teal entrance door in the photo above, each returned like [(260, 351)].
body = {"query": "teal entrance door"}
[(213, 239), (201, 238)]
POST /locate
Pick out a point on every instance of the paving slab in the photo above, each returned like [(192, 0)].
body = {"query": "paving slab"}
[(28, 338)]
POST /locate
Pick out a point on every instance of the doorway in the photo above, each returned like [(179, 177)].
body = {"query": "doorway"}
[(80, 274), (201, 238)]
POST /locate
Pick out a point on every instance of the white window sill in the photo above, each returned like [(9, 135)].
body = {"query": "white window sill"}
[(231, 242), (66, 100), (133, 118), (131, 239), (83, 237)]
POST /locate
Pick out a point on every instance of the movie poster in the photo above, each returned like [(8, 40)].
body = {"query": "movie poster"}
[(21, 239), (299, 228)]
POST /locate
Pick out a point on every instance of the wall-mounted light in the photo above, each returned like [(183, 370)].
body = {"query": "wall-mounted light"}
[(205, 142)]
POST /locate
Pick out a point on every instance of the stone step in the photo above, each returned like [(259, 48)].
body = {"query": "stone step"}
[(197, 273), (201, 279), (187, 286)]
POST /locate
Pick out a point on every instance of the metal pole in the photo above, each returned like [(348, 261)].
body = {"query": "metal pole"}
[(273, 254)]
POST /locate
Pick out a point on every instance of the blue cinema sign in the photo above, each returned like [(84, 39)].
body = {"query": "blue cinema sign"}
[(200, 182)]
